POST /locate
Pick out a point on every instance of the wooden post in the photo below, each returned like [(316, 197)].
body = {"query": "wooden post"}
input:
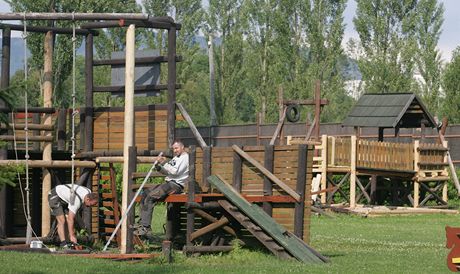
[(171, 85), (380, 138), (300, 188), (206, 168), (61, 130), (47, 120), (237, 172), (317, 108), (128, 127), (268, 188), (444, 187), (416, 169), (35, 120), (88, 115), (191, 195), (4, 83), (353, 172), (324, 168), (131, 216), (281, 111)]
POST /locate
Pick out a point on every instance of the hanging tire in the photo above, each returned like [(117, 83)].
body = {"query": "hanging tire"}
[(293, 113)]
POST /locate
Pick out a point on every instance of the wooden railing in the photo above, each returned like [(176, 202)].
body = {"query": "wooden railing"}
[(385, 155)]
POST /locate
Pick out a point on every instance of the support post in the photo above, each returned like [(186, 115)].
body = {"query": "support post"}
[(5, 82), (89, 93), (128, 127), (268, 187), (300, 188), (206, 168), (324, 168), (353, 172), (317, 108), (171, 85), (47, 120), (191, 195), (237, 172), (61, 130), (36, 120), (131, 216), (416, 169), (444, 187)]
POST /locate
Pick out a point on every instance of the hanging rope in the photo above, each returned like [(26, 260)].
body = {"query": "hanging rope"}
[(74, 112), (26, 130)]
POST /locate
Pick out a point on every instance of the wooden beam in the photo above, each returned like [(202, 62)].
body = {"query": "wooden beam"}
[(278, 127), (10, 138), (267, 173), (50, 163), (209, 228), (192, 126), (211, 218), (300, 188), (29, 126)]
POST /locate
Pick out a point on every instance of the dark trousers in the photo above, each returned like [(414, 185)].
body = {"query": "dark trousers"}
[(151, 196)]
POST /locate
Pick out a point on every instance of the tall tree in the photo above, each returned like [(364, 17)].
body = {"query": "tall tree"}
[(385, 31), (429, 19), (451, 87)]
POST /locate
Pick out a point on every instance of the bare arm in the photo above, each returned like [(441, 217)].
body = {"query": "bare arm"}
[(70, 226)]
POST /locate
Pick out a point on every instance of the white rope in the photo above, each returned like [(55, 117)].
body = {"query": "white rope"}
[(132, 202), (74, 112), (26, 111)]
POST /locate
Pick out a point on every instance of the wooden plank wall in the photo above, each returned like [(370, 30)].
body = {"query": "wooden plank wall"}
[(285, 168), (150, 128)]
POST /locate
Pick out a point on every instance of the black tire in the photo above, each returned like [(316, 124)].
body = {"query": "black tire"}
[(293, 113)]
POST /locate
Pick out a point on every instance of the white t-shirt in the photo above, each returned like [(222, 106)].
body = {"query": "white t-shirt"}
[(63, 191), (177, 169)]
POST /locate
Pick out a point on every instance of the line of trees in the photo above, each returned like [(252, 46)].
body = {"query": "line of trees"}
[(262, 46)]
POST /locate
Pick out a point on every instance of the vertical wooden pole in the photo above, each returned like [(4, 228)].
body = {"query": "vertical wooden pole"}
[(61, 130), (131, 216), (380, 138), (128, 127), (237, 172), (191, 195), (47, 120), (88, 121), (300, 188), (5, 82), (324, 168), (212, 104), (281, 111), (444, 187), (36, 120), (268, 188), (416, 169), (171, 85), (206, 167), (317, 108), (353, 172)]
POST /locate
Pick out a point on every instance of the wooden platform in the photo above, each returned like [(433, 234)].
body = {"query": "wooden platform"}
[(372, 211)]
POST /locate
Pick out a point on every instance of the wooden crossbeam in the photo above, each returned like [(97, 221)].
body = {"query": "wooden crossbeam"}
[(267, 173), (337, 187), (209, 228), (363, 190), (432, 193), (211, 218)]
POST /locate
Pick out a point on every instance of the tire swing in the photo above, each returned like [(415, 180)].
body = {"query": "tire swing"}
[(293, 113)]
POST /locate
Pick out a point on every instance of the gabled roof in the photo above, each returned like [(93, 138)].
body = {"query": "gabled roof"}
[(389, 110)]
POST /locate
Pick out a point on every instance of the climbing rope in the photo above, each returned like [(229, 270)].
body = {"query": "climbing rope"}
[(74, 112)]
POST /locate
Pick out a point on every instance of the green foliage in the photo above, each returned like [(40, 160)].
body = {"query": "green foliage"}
[(451, 87), (8, 174)]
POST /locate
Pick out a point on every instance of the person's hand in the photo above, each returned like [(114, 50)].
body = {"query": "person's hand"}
[(73, 239), (158, 167), (161, 159)]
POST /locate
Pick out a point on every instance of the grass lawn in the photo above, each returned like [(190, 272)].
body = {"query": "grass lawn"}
[(393, 244)]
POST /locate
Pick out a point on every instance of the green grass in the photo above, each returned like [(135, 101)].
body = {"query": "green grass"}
[(393, 244)]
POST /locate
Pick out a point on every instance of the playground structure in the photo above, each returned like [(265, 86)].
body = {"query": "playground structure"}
[(132, 136)]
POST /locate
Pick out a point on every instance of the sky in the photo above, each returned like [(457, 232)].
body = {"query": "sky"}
[(449, 40)]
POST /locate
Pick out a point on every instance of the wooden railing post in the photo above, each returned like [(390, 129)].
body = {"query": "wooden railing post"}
[(353, 171), (268, 188), (416, 169), (444, 187), (61, 130), (191, 195), (300, 188), (237, 172), (206, 167), (132, 166), (324, 168)]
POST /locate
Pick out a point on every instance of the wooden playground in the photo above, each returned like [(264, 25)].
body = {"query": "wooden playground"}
[(261, 195)]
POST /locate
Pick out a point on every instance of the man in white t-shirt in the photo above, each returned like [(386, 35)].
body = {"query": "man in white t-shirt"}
[(176, 171), (59, 199)]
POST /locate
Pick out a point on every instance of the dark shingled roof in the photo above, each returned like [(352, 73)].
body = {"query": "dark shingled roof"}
[(389, 110)]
